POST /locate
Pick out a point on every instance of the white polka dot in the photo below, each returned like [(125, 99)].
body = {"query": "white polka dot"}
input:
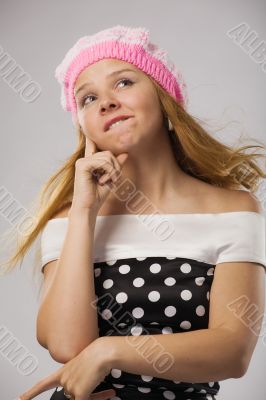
[(124, 269), (203, 391), (155, 268), (186, 294), (115, 398), (141, 258), (116, 373), (208, 295), (136, 330), (170, 281), (106, 314), (170, 311), (210, 271), (146, 378), (185, 268), (144, 389), (138, 282), (121, 325), (111, 262), (185, 325), (121, 297), (177, 381), (211, 384), (208, 397), (189, 390), (108, 283), (200, 311), (169, 395), (154, 323), (167, 329), (117, 385), (138, 312), (199, 281), (170, 257), (154, 295), (97, 272)]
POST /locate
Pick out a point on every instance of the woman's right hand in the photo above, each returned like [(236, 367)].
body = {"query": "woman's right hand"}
[(95, 176)]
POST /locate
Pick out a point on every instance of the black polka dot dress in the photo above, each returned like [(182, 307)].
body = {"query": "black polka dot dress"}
[(153, 275)]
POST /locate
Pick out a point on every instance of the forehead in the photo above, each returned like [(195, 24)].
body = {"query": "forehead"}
[(102, 68)]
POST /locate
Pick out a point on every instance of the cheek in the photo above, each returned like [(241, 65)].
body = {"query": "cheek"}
[(150, 112), (87, 122), (146, 102)]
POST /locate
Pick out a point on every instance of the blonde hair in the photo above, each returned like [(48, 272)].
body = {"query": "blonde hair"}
[(196, 152)]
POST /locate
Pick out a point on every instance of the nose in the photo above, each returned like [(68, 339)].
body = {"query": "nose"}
[(108, 104)]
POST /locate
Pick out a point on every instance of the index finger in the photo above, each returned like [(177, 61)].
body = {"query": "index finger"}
[(50, 382), (90, 147)]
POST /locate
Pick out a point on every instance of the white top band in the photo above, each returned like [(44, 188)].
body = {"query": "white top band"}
[(210, 238)]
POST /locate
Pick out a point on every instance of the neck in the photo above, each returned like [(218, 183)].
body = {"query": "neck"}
[(153, 175)]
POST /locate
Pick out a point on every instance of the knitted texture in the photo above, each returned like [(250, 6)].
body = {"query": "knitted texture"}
[(131, 45)]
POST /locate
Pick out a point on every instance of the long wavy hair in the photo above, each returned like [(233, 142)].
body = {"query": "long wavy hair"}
[(196, 151)]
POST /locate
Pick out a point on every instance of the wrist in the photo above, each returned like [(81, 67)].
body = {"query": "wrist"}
[(76, 213), (108, 352)]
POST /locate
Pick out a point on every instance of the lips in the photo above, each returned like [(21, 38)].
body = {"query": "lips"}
[(115, 119)]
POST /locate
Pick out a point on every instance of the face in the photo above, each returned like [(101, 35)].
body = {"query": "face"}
[(107, 93)]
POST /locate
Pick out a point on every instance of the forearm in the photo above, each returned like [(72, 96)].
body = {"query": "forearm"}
[(204, 355), (71, 321)]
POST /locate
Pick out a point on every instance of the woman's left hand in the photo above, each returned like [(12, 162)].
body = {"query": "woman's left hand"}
[(79, 376)]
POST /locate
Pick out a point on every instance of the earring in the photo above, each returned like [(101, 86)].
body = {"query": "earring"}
[(170, 126)]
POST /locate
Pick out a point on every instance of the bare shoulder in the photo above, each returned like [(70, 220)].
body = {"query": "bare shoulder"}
[(243, 200), (215, 199), (229, 200)]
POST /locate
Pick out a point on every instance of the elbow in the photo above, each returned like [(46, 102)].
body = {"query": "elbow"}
[(41, 342), (60, 356), (241, 363), (240, 371), (238, 355), (63, 354), (60, 348), (243, 367), (59, 353), (40, 332), (40, 338)]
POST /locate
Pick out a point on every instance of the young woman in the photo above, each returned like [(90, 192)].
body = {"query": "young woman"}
[(152, 239)]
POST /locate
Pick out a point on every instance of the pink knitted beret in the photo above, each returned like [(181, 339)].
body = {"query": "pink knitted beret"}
[(131, 45)]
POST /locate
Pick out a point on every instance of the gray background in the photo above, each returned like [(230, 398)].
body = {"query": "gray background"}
[(225, 85)]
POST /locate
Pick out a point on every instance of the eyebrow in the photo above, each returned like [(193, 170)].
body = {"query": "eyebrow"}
[(110, 75)]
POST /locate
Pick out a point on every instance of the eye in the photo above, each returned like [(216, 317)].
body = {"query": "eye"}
[(84, 98), (125, 80)]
